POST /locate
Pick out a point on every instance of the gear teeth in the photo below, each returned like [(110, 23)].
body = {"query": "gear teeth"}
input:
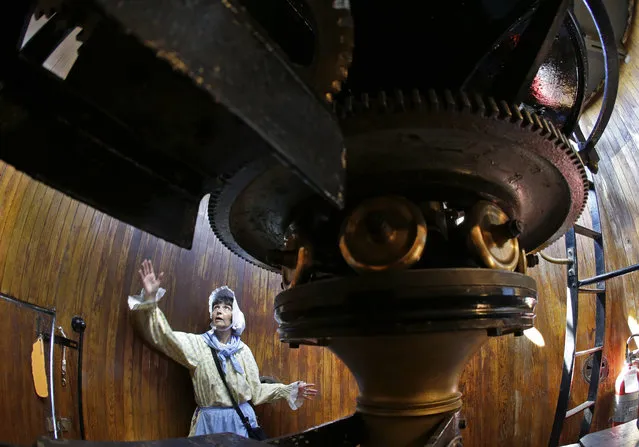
[(554, 134), (537, 123), (517, 116), (488, 107), (212, 205), (493, 108), (449, 99), (399, 100), (528, 120), (566, 142), (481, 105), (465, 101), (382, 101), (505, 111), (366, 101), (433, 100), (416, 99), (546, 129)]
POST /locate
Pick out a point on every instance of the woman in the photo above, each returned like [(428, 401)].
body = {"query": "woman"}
[(215, 412)]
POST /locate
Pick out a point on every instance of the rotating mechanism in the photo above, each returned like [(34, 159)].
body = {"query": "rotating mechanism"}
[(446, 194), (458, 150)]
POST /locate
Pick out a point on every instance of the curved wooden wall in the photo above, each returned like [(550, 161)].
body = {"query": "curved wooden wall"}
[(56, 252), (59, 253)]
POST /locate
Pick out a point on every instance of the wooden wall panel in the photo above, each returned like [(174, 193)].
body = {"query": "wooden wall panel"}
[(24, 419), (59, 253)]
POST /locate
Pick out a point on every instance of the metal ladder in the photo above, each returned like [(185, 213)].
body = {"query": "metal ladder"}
[(575, 288)]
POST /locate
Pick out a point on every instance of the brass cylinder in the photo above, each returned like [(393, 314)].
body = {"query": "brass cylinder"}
[(384, 233), (492, 236), (407, 384)]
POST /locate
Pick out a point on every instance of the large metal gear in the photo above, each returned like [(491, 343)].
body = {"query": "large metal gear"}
[(321, 50), (454, 148)]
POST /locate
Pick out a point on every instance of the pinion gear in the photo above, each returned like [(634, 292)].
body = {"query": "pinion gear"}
[(331, 25)]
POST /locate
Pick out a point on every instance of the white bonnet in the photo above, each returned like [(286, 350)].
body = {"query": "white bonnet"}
[(238, 323)]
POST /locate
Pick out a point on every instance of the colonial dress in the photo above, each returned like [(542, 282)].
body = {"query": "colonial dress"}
[(214, 412)]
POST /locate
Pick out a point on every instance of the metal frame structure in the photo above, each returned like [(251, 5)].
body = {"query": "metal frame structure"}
[(575, 286), (76, 129)]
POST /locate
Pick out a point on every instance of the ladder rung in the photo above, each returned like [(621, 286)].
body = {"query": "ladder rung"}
[(578, 408), (587, 232), (591, 290), (588, 351)]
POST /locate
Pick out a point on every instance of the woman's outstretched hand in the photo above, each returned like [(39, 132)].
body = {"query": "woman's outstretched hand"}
[(149, 280), (306, 390)]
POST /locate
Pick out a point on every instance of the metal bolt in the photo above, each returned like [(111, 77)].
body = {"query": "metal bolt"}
[(379, 228), (515, 227), (508, 230), (78, 324)]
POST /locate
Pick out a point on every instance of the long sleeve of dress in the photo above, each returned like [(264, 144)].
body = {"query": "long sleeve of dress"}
[(156, 331), (269, 392)]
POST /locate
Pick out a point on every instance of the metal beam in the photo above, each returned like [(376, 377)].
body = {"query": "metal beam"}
[(513, 82), (216, 44)]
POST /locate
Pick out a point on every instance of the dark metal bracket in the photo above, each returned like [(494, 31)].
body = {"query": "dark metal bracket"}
[(606, 33), (58, 340)]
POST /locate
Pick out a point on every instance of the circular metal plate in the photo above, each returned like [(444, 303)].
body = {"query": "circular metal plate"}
[(586, 369), (409, 301)]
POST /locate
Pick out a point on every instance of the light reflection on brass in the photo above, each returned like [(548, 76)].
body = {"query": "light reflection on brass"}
[(407, 384), (304, 259), (522, 264), (487, 238), (384, 233)]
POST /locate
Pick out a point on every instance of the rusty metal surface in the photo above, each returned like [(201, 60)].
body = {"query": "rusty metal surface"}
[(425, 147), (383, 233), (216, 45), (129, 111), (424, 301)]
